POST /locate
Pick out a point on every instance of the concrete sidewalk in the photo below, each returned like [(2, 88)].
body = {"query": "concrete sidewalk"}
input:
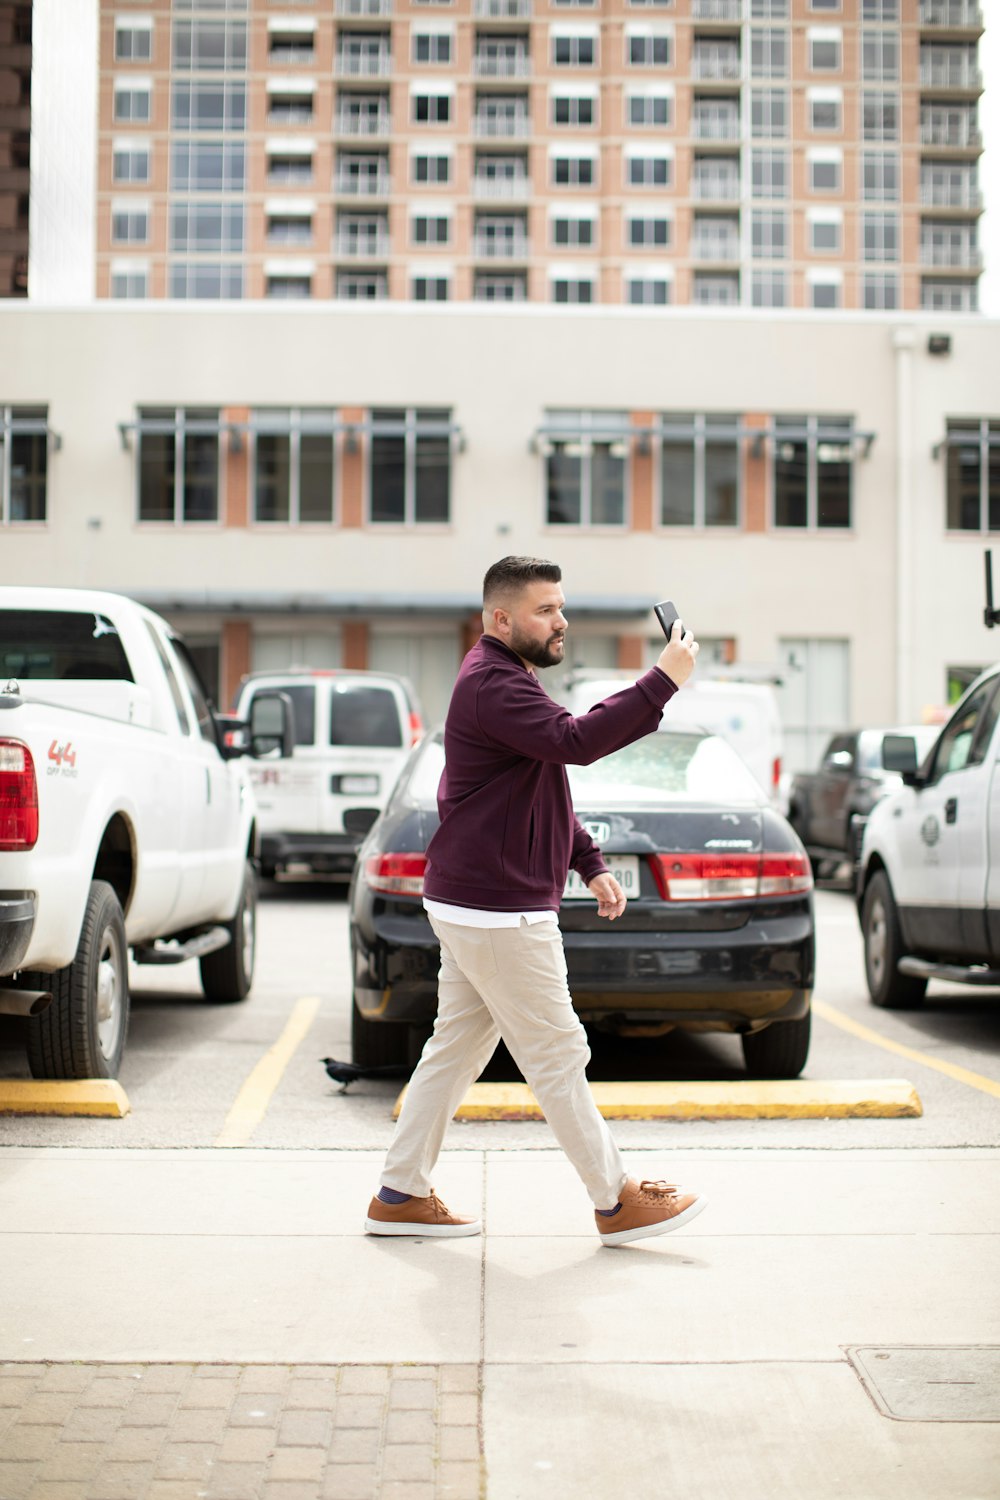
[(213, 1325)]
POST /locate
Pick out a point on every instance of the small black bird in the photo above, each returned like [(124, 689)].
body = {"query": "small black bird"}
[(346, 1073)]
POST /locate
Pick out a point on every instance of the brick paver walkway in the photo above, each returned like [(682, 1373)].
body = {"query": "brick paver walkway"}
[(239, 1432)]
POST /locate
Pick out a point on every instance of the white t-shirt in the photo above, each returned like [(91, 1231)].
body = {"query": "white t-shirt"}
[(468, 916)]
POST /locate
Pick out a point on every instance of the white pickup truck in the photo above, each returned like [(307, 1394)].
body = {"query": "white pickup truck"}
[(127, 821), (929, 875)]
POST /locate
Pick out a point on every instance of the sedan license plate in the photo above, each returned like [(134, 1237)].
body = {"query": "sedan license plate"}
[(625, 869)]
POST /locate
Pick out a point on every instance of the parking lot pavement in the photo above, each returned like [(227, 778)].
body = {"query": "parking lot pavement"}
[(213, 1325)]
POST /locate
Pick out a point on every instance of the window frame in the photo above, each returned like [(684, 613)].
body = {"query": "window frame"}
[(295, 423), (700, 427), (587, 430), (178, 427), (813, 431), (984, 434), (14, 423), (413, 427)]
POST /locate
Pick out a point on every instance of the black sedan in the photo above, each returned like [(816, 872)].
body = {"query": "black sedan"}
[(718, 934)]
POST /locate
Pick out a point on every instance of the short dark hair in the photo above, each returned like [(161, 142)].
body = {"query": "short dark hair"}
[(511, 574)]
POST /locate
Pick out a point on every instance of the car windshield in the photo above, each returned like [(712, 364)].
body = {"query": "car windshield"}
[(665, 766)]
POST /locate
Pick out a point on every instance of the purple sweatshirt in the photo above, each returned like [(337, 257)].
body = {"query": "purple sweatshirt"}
[(508, 833)]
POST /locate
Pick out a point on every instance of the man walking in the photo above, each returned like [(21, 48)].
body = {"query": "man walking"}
[(495, 874)]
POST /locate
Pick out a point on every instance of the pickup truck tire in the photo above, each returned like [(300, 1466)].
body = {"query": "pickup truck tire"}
[(779, 1051), (227, 974), (379, 1044), (82, 1033), (888, 988)]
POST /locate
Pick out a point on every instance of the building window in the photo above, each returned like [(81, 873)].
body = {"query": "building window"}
[(585, 469), (289, 170), (432, 47), (293, 466), (133, 41), (825, 169), (211, 166), (825, 48), (574, 229), (769, 288), (769, 175), (813, 460), (973, 475), (287, 287), (288, 229), (362, 286), (573, 109), (644, 110), (648, 171), (431, 168), (880, 56), (431, 289), (205, 227), (769, 233), (288, 47), (431, 109), (769, 113), (574, 51), (130, 161), (575, 289), (824, 230), (574, 171), (214, 106), (491, 286), (825, 291), (880, 236), (285, 107), (700, 470), (648, 230), (24, 459), (648, 291), (410, 475), (130, 223), (430, 229), (178, 464), (825, 109), (133, 102), (648, 50), (129, 282), (715, 289), (206, 281), (880, 10), (879, 116), (210, 46), (768, 52), (880, 176), (769, 10), (880, 291)]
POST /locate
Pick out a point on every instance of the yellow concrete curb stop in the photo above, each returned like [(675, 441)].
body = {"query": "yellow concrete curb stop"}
[(37, 1096), (751, 1099)]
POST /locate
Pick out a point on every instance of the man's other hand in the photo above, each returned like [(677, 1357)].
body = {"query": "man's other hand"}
[(679, 655), (610, 896)]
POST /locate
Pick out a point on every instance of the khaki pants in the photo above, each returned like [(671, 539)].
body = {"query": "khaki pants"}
[(509, 982)]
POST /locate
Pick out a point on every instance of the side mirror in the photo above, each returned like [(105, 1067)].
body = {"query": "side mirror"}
[(271, 726), (899, 754)]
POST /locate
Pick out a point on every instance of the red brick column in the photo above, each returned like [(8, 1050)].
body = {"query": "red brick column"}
[(352, 473), (755, 479), (237, 470), (642, 477), (234, 661), (354, 640)]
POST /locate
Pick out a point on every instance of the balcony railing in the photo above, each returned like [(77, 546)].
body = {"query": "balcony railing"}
[(716, 69), (715, 127), (717, 10), (959, 257), (715, 251), (950, 13), (280, 54), (362, 9), (498, 127), (352, 185), (367, 125), (361, 247), (950, 195), (363, 64), (721, 189), (501, 187), (948, 76), (486, 247), (493, 65), (502, 10), (961, 138)]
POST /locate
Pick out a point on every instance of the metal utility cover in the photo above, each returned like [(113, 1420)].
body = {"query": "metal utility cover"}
[(951, 1383)]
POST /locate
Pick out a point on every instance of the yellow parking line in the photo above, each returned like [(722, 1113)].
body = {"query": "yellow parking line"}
[(251, 1102), (961, 1075)]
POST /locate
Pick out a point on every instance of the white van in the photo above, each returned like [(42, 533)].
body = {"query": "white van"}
[(353, 731), (744, 714)]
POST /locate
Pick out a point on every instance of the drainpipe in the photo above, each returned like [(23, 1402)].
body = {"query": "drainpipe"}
[(903, 343)]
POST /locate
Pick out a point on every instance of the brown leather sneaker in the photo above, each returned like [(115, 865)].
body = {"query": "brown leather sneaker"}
[(648, 1208), (425, 1217)]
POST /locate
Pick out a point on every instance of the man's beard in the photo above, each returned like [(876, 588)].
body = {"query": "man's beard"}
[(540, 655)]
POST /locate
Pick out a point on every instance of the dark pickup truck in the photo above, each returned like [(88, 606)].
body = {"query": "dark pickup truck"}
[(828, 808)]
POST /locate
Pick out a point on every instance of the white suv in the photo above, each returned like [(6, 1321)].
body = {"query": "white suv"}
[(353, 731)]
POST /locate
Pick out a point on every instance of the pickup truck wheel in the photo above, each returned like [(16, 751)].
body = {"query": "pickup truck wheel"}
[(779, 1051), (82, 1033), (227, 974), (378, 1044), (884, 948)]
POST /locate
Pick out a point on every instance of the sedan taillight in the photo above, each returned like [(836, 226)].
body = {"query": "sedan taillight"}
[(396, 874), (18, 797), (729, 877)]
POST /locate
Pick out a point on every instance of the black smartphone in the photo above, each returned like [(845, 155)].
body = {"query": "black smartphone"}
[(666, 613)]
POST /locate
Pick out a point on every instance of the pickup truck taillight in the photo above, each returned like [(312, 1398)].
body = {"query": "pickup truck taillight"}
[(18, 797), (396, 874), (730, 877)]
